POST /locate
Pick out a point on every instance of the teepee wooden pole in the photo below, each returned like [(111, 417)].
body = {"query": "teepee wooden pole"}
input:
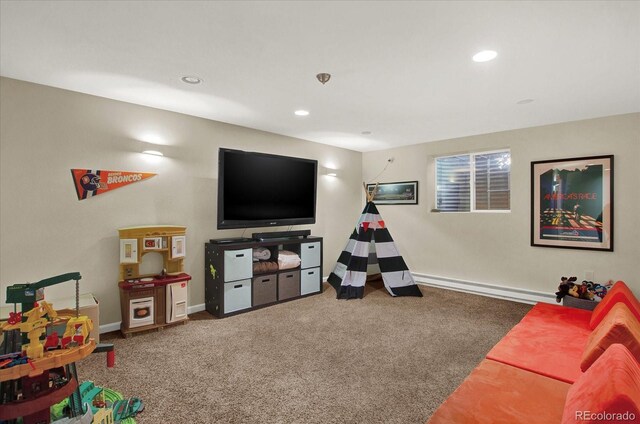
[(371, 195)]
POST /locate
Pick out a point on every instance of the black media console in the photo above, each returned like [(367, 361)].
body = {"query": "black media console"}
[(234, 283)]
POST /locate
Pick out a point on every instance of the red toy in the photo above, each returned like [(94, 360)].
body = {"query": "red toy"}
[(15, 317)]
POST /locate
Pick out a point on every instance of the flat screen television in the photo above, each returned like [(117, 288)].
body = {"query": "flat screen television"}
[(263, 190)]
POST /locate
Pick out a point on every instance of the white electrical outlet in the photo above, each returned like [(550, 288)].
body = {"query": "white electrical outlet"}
[(588, 275)]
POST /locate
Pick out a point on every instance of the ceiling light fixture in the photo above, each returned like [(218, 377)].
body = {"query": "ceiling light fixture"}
[(301, 112), (323, 77), (524, 101), (191, 80), (485, 56), (366, 133)]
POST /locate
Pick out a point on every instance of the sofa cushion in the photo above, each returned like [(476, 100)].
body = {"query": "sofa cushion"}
[(618, 293), (609, 387), (548, 341), (558, 316), (497, 393), (619, 326)]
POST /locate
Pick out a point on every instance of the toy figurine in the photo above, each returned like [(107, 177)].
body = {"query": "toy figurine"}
[(567, 287)]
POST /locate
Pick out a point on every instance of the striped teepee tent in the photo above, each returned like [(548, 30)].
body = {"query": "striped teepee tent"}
[(371, 250)]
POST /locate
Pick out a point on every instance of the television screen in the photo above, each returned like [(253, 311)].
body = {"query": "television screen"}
[(262, 190)]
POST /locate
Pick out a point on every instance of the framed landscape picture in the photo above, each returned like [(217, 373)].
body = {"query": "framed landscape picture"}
[(572, 203), (401, 193)]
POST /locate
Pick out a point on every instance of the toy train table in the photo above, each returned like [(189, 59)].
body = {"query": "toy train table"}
[(37, 364)]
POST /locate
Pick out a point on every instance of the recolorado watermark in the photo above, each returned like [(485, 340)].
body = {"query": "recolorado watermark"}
[(605, 416)]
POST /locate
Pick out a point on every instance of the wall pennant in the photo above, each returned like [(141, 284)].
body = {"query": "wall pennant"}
[(91, 183)]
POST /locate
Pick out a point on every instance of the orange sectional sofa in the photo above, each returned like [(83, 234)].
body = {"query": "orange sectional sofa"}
[(558, 365)]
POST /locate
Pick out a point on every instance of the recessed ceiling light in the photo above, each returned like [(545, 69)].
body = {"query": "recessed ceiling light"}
[(366, 133), (191, 80), (524, 101), (484, 56), (301, 112)]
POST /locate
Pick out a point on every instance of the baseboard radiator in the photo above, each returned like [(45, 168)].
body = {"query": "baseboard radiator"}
[(484, 289)]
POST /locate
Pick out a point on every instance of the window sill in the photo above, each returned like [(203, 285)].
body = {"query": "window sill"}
[(480, 211)]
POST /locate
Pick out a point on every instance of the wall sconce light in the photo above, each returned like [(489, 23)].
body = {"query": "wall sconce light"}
[(152, 152), (329, 172), (151, 149)]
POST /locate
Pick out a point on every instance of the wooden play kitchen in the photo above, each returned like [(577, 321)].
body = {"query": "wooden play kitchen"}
[(152, 301)]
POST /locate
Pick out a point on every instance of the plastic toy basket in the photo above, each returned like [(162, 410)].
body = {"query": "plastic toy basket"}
[(574, 302)]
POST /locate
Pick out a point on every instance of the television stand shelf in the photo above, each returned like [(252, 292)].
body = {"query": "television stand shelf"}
[(234, 283)]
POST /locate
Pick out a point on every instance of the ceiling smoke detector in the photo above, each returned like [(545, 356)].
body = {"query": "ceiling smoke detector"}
[(323, 77)]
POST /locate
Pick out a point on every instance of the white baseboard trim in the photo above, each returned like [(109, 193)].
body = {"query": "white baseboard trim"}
[(115, 326), (196, 308), (108, 328), (483, 289), (474, 287)]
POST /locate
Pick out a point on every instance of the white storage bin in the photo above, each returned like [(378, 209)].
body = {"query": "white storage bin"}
[(310, 254), (237, 295), (238, 264), (309, 281)]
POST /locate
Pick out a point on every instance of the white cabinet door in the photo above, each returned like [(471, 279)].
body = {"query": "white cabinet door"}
[(128, 251)]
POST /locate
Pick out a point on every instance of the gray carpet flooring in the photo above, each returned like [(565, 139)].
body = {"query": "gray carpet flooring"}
[(314, 360)]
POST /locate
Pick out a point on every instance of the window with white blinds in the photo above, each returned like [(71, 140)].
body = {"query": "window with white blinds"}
[(474, 182)]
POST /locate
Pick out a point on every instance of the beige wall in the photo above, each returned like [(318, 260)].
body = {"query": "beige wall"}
[(46, 231), (494, 248)]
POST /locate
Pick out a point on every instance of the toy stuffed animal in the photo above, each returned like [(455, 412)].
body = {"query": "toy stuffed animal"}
[(600, 291), (574, 290), (585, 290), (567, 287)]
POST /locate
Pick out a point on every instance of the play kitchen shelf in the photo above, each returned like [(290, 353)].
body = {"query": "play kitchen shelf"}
[(152, 301), (240, 278)]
